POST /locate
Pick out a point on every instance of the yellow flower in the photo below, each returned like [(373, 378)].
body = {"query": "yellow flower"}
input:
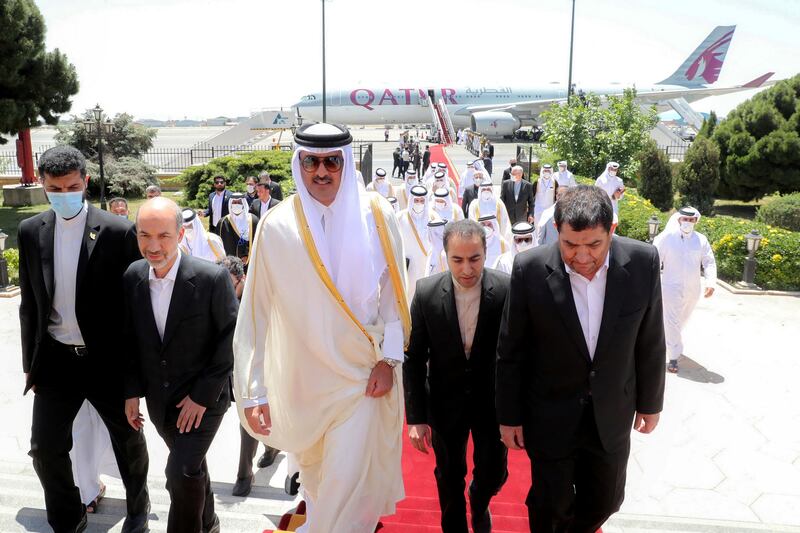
[(777, 258)]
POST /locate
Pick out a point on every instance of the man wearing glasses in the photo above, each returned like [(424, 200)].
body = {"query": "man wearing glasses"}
[(326, 388), (217, 205)]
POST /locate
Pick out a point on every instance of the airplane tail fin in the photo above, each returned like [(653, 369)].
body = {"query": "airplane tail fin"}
[(705, 63)]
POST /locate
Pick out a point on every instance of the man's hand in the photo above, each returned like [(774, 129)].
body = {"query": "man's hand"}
[(512, 437), (381, 380), (135, 418), (530, 219), (201, 213), (191, 415), (33, 387), (645, 423), (258, 419), (420, 435), (709, 292)]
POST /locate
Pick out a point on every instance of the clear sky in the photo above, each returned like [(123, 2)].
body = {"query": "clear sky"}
[(170, 59)]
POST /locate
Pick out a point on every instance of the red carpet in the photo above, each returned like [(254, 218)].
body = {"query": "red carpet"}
[(419, 512), (438, 155)]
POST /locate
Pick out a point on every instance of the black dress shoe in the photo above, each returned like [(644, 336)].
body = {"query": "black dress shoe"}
[(243, 486), (139, 523), (268, 457), (214, 527)]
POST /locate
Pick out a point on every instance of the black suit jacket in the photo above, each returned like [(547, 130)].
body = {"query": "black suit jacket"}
[(196, 355), (437, 377), (469, 194), (108, 247), (255, 206), (544, 374), (520, 209), (226, 196), (275, 191)]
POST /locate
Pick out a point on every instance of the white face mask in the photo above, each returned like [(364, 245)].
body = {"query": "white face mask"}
[(410, 182), (516, 177), (440, 205), (379, 179), (251, 189), (612, 172), (687, 227), (489, 230), (237, 209), (546, 174), (417, 208), (486, 195), (522, 246)]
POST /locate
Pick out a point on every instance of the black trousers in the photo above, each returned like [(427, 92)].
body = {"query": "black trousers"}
[(63, 382), (192, 503), (576, 492), (490, 458)]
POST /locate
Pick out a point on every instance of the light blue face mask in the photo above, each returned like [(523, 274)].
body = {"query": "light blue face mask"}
[(66, 204)]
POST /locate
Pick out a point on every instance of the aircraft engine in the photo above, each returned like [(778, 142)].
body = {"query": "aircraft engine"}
[(494, 123)]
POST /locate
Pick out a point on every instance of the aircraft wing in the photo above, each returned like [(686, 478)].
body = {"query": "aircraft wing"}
[(532, 107)]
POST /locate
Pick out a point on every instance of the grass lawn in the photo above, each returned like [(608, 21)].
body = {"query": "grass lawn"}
[(10, 217)]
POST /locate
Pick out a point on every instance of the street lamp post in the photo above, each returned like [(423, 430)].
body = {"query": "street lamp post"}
[(753, 241), (324, 93), (571, 39), (3, 264), (99, 127), (652, 227)]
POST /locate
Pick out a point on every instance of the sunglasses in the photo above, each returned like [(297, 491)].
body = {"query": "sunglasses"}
[(332, 163), (526, 240)]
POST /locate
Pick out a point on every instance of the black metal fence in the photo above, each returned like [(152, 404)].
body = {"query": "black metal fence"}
[(675, 152)]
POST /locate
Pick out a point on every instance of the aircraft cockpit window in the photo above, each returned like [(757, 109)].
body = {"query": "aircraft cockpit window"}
[(309, 97)]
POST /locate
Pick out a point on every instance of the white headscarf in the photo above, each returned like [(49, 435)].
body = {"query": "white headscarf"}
[(346, 249), (436, 261), (446, 213), (673, 227), (242, 220), (486, 206), (420, 219), (380, 183), (495, 245), (195, 241)]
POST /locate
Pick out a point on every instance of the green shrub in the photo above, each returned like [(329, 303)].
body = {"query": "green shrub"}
[(655, 176), (783, 212), (778, 258), (198, 180), (12, 258), (127, 177), (698, 176)]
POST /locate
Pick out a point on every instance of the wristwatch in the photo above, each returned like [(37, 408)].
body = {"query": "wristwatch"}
[(390, 362)]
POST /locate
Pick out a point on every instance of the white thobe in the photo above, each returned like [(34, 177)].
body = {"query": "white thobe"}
[(216, 207), (610, 184), (417, 246), (566, 179), (545, 196), (682, 258)]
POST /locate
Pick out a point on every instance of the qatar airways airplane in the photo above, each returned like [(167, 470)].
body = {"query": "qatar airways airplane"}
[(500, 111)]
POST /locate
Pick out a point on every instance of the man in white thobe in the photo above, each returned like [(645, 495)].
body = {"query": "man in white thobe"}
[(612, 184), (685, 256), (496, 244), (413, 223), (444, 207), (544, 191), (487, 203), (546, 231), (197, 242), (564, 177), (468, 180), (380, 184), (320, 334), (437, 259), (523, 239)]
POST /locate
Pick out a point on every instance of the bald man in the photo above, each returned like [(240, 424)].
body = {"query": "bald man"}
[(180, 317)]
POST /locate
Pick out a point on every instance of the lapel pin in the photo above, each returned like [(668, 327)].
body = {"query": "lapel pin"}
[(92, 235)]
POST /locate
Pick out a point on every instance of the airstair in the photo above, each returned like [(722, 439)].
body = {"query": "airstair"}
[(440, 117)]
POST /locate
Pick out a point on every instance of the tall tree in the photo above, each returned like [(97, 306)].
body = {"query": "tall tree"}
[(34, 83), (128, 139), (759, 144), (591, 131)]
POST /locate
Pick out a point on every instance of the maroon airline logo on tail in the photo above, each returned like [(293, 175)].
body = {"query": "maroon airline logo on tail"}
[(708, 63)]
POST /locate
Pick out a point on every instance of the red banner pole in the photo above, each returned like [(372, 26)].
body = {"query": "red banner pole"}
[(25, 158)]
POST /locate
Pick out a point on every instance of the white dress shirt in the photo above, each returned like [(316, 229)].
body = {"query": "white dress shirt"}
[(216, 207), (590, 297), (161, 294), (67, 240), (264, 207)]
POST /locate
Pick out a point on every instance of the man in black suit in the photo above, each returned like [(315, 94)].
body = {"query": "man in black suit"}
[(507, 171), (264, 201), (517, 195), (217, 205), (180, 313), (426, 159), (448, 376), (274, 188), (580, 361), (471, 193), (71, 258)]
